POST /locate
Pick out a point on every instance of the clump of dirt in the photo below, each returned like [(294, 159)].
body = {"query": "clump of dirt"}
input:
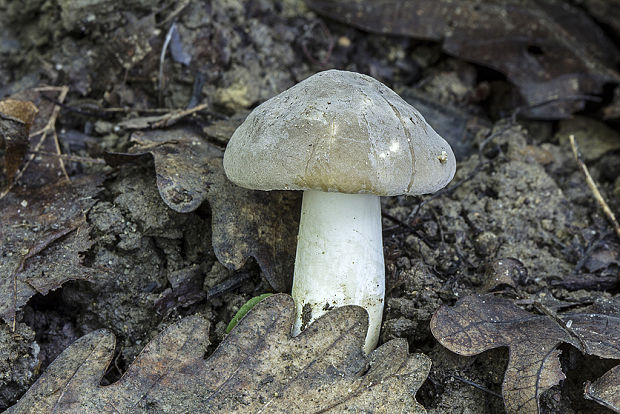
[(20, 362), (138, 240)]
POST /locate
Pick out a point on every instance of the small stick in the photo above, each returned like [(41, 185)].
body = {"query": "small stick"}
[(75, 158), (476, 385), (227, 285), (593, 187), (181, 5)]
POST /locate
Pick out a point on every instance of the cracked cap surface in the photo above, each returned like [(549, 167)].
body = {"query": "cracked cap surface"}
[(339, 131)]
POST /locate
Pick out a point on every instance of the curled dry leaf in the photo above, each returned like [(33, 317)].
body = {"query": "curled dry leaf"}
[(16, 118), (481, 322), (245, 223), (42, 233), (606, 389), (549, 49), (257, 368), (182, 160)]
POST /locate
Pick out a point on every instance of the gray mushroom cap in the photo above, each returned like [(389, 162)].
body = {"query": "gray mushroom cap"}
[(339, 131)]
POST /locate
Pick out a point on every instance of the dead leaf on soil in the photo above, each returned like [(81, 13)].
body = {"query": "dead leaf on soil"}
[(43, 226), (481, 322), (257, 368), (42, 233), (606, 389), (549, 49), (260, 224), (16, 118)]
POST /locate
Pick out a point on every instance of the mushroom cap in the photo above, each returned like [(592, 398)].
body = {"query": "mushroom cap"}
[(339, 131)]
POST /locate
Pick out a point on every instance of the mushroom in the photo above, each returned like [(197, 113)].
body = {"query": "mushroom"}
[(344, 139)]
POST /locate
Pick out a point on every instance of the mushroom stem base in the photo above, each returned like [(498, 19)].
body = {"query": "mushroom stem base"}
[(339, 259)]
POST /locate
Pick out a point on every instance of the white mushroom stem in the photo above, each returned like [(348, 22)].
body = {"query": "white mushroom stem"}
[(339, 259)]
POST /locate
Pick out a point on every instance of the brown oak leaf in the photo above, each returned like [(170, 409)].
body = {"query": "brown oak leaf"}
[(481, 322), (259, 367), (606, 389)]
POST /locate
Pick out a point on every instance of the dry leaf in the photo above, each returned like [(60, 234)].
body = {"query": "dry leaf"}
[(549, 49), (42, 233), (182, 164), (260, 224), (481, 322), (43, 225), (257, 368), (606, 389), (16, 118)]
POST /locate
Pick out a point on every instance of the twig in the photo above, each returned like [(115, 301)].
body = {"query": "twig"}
[(75, 158), (174, 116), (476, 385), (51, 126), (181, 5), (108, 113), (97, 112), (227, 285), (390, 217), (160, 121), (399, 223), (61, 160), (597, 194)]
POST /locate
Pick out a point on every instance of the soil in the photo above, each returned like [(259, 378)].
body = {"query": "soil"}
[(519, 195)]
